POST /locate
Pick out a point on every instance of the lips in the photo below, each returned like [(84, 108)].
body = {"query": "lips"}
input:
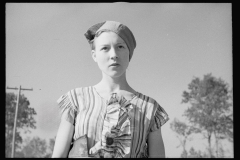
[(115, 64)]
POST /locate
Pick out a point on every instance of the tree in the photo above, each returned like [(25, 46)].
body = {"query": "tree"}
[(25, 120), (34, 148), (196, 154), (50, 148), (183, 132), (210, 111), (37, 148)]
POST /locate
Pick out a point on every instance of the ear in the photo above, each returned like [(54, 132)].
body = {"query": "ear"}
[(94, 55)]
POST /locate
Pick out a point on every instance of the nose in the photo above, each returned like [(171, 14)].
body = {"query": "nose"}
[(113, 54)]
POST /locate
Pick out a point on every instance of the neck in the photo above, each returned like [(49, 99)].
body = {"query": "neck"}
[(113, 84)]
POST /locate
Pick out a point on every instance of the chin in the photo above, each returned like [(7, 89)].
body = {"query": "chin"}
[(115, 74)]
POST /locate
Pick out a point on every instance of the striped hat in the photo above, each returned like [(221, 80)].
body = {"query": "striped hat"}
[(116, 27)]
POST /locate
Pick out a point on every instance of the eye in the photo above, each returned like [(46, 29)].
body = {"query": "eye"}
[(104, 48), (121, 47)]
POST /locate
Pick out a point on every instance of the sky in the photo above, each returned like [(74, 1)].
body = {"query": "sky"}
[(46, 50)]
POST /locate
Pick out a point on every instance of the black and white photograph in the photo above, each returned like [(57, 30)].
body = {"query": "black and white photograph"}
[(118, 80)]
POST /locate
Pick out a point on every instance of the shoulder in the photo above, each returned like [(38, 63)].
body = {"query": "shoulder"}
[(79, 91), (74, 98), (154, 111), (74, 94), (147, 99), (149, 103)]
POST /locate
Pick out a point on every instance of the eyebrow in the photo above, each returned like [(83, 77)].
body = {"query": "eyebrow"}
[(121, 43), (116, 44)]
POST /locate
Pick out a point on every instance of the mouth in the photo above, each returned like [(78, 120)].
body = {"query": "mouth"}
[(115, 64)]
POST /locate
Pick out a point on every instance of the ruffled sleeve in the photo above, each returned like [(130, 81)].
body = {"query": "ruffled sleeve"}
[(68, 107), (160, 118)]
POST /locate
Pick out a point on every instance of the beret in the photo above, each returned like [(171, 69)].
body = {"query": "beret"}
[(123, 31)]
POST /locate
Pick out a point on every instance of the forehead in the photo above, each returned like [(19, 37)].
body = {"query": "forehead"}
[(108, 37)]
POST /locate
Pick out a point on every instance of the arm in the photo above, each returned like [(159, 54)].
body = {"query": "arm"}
[(63, 139), (156, 145)]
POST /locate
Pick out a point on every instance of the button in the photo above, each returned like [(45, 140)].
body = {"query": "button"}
[(109, 141)]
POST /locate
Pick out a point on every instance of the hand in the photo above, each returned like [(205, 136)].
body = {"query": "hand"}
[(95, 148)]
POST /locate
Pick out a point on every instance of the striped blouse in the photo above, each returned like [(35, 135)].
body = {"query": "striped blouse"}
[(127, 122)]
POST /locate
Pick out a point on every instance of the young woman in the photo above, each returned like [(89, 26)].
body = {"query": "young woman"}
[(117, 120)]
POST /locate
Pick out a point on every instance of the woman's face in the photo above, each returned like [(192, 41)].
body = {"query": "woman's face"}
[(111, 53)]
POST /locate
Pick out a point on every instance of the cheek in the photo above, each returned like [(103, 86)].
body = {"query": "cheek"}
[(101, 60), (125, 60), (125, 56), (127, 63), (102, 57)]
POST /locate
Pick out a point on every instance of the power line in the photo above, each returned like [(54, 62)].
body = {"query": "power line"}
[(15, 120)]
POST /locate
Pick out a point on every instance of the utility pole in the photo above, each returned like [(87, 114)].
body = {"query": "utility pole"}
[(15, 120)]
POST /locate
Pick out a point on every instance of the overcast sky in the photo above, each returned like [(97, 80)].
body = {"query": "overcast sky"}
[(46, 50)]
